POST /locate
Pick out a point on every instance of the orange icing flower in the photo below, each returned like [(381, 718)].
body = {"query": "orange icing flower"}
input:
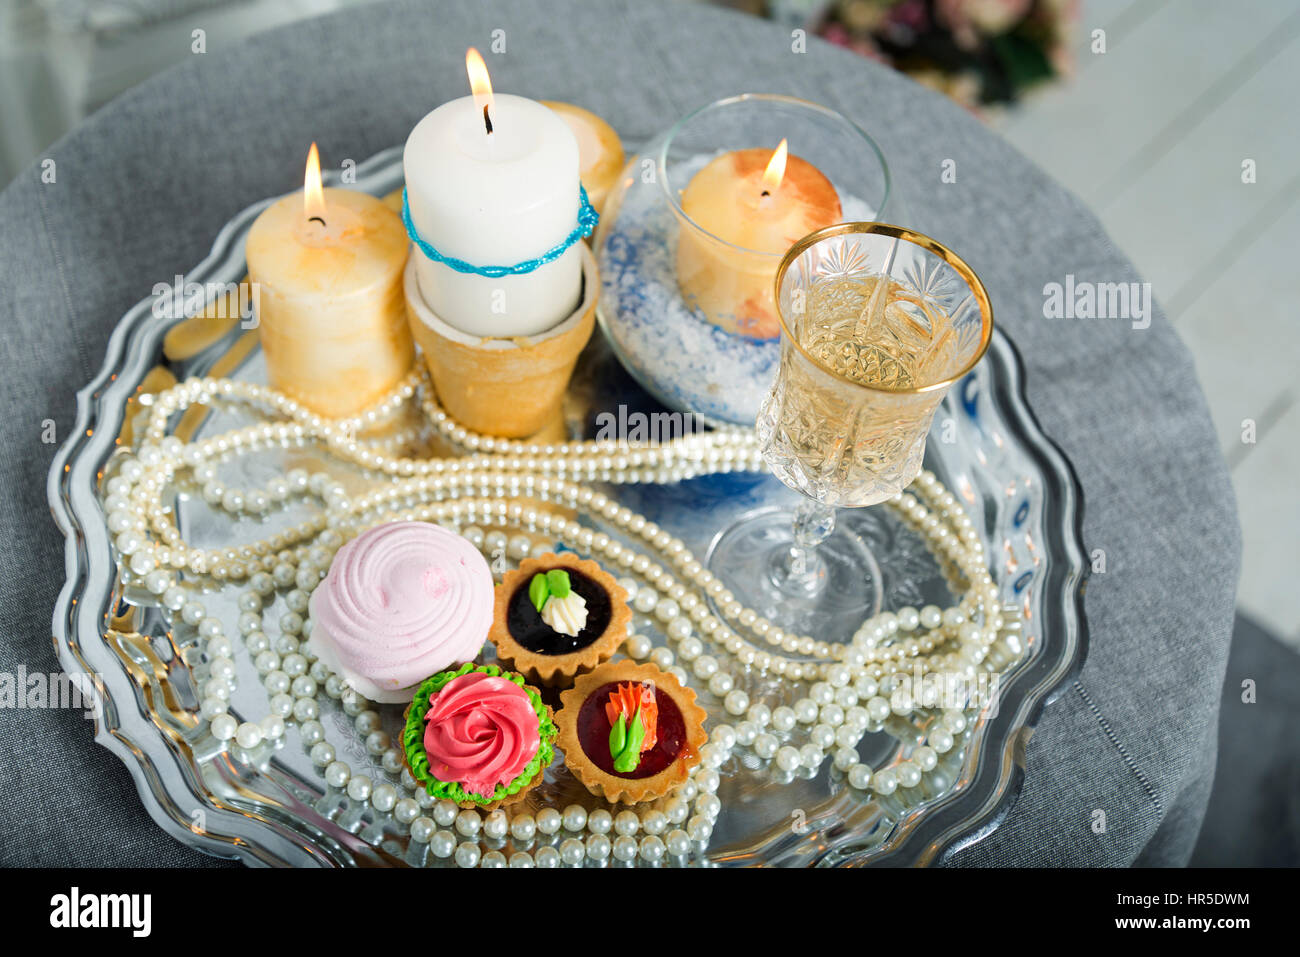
[(625, 701)]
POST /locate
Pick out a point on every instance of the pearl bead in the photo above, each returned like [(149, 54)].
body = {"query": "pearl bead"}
[(467, 855), (468, 823), (600, 821), (652, 849), (705, 667), (546, 856), (954, 721), (787, 758), (523, 827), (422, 830), (909, 775), (699, 828), (444, 812), (496, 825), (925, 758), (878, 709), (941, 739), (765, 745), (224, 727), (521, 859), (337, 775), (443, 844), (549, 820), (574, 817), (360, 787), (625, 848), (746, 732), (572, 851), (384, 797), (626, 822), (677, 843), (598, 847), (638, 646), (406, 811), (811, 756), (884, 782), (822, 736), (783, 718), (248, 735)]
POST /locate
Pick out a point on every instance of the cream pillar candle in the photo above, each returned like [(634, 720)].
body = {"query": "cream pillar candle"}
[(600, 151), (744, 210), (326, 268), (492, 180)]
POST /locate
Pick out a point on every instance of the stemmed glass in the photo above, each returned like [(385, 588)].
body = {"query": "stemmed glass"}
[(877, 322)]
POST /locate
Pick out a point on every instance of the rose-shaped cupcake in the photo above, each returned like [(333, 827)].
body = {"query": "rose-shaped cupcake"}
[(478, 736), (401, 601)]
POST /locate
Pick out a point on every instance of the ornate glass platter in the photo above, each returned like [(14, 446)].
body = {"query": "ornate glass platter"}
[(271, 805)]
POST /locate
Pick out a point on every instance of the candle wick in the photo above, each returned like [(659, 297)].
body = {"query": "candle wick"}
[(487, 120), (316, 219), (766, 193)]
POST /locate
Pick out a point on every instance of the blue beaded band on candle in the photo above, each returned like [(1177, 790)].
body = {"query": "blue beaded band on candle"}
[(587, 217)]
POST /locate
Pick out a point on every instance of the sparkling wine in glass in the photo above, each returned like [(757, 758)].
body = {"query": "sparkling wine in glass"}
[(877, 322)]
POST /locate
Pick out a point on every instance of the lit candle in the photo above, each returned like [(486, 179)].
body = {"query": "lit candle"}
[(744, 210), (492, 180), (600, 151), (326, 269)]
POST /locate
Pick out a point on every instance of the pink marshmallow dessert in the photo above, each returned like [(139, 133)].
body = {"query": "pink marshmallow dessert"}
[(401, 601)]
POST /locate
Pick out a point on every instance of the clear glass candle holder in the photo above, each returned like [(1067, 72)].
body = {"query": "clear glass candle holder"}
[(691, 316), (877, 323)]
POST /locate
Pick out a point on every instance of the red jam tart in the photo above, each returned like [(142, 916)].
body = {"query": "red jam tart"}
[(630, 732)]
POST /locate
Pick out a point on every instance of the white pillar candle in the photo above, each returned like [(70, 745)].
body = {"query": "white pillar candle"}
[(495, 198)]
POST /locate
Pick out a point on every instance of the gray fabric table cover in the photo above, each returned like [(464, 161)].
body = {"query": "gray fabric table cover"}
[(143, 186)]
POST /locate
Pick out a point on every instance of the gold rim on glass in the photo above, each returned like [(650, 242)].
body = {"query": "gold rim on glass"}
[(916, 239)]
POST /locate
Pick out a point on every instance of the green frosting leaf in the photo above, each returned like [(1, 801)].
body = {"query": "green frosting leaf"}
[(538, 591), (618, 736), (629, 756), (557, 580)]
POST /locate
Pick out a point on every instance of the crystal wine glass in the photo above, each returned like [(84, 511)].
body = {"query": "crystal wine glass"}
[(877, 322)]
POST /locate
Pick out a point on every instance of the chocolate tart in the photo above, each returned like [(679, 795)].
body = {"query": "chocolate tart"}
[(584, 734), (416, 758), (531, 647)]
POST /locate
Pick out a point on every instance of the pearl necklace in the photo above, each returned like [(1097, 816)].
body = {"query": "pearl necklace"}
[(855, 686)]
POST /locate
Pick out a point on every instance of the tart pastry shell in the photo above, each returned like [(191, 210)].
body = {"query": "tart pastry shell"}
[(612, 787), (557, 670)]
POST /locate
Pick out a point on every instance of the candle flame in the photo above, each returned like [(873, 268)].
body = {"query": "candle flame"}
[(313, 197), (775, 171), (480, 83)]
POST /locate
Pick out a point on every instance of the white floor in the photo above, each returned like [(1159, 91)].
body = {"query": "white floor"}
[(1153, 134)]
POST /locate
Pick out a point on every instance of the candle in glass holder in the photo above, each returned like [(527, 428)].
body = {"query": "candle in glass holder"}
[(326, 269), (743, 211)]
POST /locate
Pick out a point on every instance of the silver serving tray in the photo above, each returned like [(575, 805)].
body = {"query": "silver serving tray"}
[(274, 809)]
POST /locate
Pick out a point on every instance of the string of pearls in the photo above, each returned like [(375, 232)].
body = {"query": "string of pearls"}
[(855, 687)]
